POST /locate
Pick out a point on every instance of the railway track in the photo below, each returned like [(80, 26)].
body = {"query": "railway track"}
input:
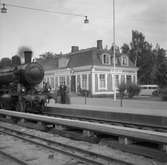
[(11, 159), (75, 152), (122, 132)]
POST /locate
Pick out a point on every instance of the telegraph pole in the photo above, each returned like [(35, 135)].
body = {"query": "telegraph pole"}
[(114, 80)]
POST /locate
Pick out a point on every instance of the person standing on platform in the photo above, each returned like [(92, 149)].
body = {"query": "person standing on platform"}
[(63, 93)]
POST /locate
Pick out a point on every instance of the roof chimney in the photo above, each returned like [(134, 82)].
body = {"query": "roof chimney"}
[(74, 49), (99, 44)]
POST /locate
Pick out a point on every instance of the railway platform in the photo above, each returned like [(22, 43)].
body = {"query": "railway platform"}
[(123, 115)]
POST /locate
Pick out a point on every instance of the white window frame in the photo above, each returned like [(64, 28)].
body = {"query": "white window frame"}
[(122, 60), (109, 59), (86, 83), (56, 82), (52, 82), (105, 77), (117, 80), (63, 77), (122, 78)]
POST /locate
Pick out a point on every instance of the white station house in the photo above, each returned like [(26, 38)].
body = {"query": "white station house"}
[(91, 69)]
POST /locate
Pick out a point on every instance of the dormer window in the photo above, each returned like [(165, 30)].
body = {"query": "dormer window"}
[(106, 59), (124, 60)]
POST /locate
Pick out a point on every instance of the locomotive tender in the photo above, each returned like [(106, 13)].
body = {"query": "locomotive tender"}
[(18, 84)]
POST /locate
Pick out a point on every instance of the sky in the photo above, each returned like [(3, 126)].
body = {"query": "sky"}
[(44, 32)]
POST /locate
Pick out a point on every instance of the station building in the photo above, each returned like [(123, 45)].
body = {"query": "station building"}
[(91, 69)]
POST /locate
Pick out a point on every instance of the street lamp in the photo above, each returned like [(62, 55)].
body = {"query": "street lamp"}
[(86, 19), (4, 9)]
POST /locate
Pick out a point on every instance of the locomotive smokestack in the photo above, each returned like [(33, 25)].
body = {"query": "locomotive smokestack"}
[(27, 56)]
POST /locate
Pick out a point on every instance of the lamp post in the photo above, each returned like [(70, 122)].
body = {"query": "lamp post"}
[(114, 77)]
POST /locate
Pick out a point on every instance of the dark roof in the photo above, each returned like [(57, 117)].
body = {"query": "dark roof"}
[(84, 57), (91, 56)]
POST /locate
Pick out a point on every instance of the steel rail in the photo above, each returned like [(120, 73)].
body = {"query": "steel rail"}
[(13, 158), (61, 147), (107, 121)]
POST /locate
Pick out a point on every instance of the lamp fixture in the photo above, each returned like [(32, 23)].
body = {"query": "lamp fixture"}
[(86, 19), (3, 9)]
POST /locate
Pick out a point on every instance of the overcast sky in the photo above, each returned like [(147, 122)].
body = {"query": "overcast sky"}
[(50, 32)]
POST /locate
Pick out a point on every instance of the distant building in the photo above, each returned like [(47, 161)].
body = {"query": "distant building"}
[(91, 69)]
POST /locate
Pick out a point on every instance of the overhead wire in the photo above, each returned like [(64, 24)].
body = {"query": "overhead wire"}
[(43, 10)]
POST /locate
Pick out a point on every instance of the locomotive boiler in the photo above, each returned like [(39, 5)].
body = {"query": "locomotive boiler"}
[(18, 85)]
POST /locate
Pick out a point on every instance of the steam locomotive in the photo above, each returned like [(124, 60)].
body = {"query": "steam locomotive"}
[(18, 84)]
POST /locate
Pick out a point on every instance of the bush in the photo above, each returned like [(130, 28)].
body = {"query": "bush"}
[(122, 88), (132, 90), (155, 93), (84, 92), (163, 94)]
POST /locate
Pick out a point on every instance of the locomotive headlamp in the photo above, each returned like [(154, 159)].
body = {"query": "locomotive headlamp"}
[(23, 89), (4, 9)]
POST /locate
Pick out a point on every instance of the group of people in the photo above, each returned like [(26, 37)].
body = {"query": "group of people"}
[(62, 93)]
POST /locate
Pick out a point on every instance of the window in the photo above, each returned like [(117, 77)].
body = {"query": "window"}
[(116, 81), (102, 81), (134, 79), (129, 79), (125, 60), (56, 82), (106, 59), (61, 80), (84, 81), (52, 82), (123, 78), (68, 81), (78, 83), (47, 79)]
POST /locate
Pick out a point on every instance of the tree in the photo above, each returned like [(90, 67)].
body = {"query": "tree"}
[(132, 90), (137, 45), (160, 67), (5, 62), (145, 64), (141, 54), (47, 55), (125, 48)]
